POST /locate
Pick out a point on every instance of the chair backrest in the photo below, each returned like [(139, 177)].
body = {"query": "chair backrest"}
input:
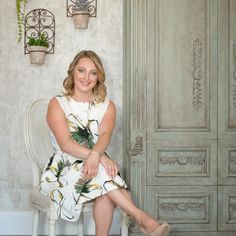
[(37, 137)]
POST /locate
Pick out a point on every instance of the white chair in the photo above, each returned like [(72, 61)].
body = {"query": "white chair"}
[(38, 144)]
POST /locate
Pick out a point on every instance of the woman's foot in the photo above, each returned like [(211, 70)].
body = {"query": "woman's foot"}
[(161, 230), (148, 224)]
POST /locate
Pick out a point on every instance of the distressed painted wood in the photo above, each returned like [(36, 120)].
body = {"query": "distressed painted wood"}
[(182, 69), (227, 69), (227, 162), (135, 109), (227, 115), (180, 87), (227, 208), (182, 162), (191, 209)]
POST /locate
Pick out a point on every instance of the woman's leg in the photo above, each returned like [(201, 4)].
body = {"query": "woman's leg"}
[(103, 213), (126, 194), (121, 198)]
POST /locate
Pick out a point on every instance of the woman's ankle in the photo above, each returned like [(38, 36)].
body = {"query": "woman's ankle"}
[(148, 223)]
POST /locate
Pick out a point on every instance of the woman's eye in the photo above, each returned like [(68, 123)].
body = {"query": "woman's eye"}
[(94, 73), (80, 70)]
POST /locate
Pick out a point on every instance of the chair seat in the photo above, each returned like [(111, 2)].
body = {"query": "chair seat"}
[(38, 200)]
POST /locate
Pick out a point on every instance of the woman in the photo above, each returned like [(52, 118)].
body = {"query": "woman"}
[(81, 122)]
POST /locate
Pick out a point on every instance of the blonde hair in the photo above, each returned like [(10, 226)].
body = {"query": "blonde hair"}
[(100, 88)]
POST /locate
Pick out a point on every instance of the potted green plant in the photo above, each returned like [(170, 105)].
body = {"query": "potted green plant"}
[(37, 48), (80, 14)]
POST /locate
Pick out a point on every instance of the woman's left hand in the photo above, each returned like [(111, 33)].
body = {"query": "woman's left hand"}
[(90, 167), (109, 165)]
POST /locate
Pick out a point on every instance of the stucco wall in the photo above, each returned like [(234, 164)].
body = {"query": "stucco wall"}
[(22, 82)]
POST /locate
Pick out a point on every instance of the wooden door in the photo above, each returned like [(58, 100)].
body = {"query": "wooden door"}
[(227, 116), (180, 112)]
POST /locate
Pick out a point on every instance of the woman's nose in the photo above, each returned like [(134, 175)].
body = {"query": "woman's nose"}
[(86, 76)]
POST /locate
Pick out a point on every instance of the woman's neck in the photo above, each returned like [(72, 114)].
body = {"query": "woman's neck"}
[(83, 97)]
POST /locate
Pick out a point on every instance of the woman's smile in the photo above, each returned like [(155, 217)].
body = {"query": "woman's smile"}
[(84, 83)]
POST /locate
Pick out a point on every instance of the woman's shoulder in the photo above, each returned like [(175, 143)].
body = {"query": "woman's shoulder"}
[(61, 101), (103, 107), (103, 104), (61, 97)]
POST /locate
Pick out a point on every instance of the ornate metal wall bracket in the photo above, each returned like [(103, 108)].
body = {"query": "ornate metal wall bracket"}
[(40, 21), (70, 6)]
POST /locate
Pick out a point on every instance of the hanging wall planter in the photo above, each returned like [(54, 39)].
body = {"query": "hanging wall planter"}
[(81, 11), (39, 35), (81, 19), (37, 54), (37, 48)]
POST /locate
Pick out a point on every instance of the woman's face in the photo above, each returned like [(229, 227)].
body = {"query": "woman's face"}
[(85, 75)]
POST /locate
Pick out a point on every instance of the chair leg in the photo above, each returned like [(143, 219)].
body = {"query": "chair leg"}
[(35, 222), (124, 224), (51, 226), (81, 225)]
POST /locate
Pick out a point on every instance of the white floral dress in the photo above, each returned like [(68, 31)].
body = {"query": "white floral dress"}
[(62, 177)]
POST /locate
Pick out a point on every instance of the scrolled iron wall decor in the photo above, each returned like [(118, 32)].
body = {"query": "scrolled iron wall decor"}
[(40, 21), (70, 6)]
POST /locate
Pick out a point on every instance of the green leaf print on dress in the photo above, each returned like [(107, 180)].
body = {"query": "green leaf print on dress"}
[(84, 186), (58, 169), (81, 134)]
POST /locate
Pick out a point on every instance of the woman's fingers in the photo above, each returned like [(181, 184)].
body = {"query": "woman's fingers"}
[(90, 167), (89, 172), (94, 173), (112, 169), (85, 172), (110, 166), (115, 170)]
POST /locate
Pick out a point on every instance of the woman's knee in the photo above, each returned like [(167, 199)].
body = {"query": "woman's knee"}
[(104, 199)]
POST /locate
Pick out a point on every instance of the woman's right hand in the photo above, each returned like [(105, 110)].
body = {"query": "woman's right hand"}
[(109, 165), (91, 163)]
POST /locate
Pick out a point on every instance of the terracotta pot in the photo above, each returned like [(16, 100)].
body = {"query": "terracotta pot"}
[(81, 19), (37, 54)]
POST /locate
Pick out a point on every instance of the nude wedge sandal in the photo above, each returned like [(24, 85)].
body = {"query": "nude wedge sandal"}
[(161, 230)]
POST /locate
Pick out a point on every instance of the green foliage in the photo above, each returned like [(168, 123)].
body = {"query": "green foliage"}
[(41, 40), (82, 5), (20, 13), (83, 136)]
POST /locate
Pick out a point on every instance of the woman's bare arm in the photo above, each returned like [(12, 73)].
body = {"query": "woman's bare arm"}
[(57, 122), (105, 129)]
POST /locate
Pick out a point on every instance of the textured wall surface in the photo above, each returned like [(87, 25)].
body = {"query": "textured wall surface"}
[(21, 83)]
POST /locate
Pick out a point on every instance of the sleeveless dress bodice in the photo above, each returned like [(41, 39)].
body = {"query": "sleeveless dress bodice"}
[(62, 178)]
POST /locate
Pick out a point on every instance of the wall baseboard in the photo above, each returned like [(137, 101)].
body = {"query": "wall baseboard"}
[(20, 223)]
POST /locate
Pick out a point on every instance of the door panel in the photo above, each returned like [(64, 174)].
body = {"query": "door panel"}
[(182, 69), (227, 162), (186, 208), (227, 69), (182, 162), (181, 59), (227, 208)]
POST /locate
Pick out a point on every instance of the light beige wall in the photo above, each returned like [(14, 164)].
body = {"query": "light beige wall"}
[(22, 82)]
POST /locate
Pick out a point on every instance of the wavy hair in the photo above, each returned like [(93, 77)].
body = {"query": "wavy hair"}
[(100, 88)]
